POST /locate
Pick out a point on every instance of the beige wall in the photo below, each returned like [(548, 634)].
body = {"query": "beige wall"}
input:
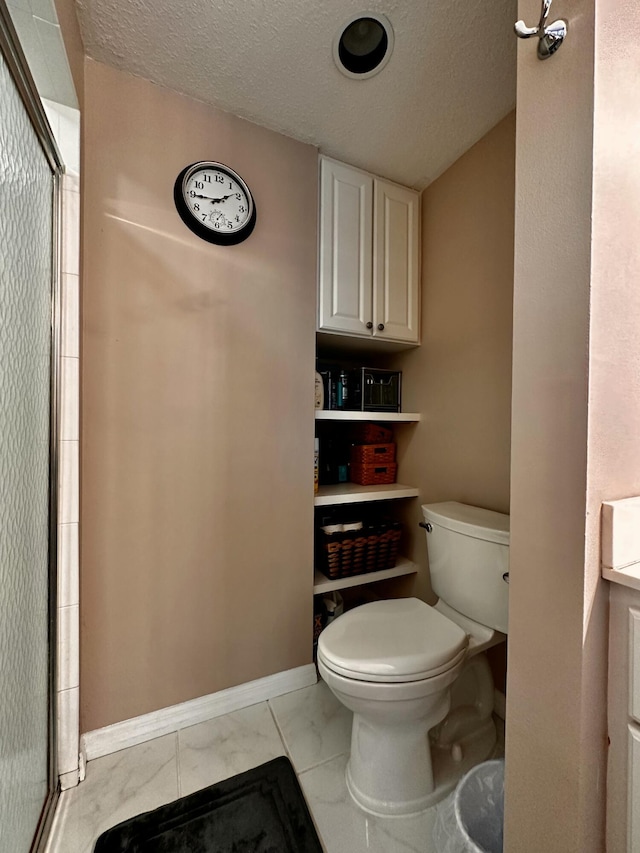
[(576, 408), (460, 378), (197, 414), (614, 388)]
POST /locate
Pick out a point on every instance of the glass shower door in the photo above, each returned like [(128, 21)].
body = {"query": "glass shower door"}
[(26, 273)]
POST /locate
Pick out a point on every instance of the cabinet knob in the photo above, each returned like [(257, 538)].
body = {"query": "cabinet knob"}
[(381, 327), (369, 325)]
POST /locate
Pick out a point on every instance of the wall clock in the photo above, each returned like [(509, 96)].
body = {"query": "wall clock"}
[(215, 203)]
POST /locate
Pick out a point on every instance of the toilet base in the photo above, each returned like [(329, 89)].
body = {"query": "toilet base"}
[(444, 769), (389, 770)]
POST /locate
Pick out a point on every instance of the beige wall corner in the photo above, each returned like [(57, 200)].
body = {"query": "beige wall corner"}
[(576, 406), (460, 378), (614, 413), (197, 440)]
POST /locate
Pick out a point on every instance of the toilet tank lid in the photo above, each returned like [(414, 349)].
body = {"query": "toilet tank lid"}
[(469, 520)]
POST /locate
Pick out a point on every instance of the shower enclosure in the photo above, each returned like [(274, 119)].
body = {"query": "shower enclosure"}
[(30, 168)]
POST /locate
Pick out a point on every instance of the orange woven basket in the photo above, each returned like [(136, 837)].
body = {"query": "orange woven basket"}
[(373, 454), (367, 433), (374, 475)]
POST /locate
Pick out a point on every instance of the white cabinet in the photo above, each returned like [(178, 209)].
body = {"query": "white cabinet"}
[(346, 260), (623, 774), (369, 284), (396, 262)]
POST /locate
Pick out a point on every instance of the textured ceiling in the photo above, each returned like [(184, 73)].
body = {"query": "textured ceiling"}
[(450, 79)]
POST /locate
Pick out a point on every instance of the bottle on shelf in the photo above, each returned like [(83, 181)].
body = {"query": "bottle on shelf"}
[(343, 390), (319, 391)]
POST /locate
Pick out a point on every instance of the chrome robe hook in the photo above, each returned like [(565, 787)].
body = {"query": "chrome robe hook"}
[(550, 36)]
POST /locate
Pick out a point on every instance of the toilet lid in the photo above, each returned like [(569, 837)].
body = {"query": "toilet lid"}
[(400, 639)]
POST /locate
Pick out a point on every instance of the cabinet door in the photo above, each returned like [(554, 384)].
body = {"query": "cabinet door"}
[(396, 261), (346, 217), (633, 791)]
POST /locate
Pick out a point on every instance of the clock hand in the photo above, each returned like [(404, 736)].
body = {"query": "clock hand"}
[(211, 199)]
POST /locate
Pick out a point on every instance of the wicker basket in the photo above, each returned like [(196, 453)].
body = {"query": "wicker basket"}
[(367, 433), (341, 555), (374, 475), (373, 454)]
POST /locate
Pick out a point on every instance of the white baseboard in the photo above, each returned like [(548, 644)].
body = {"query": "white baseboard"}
[(499, 704), (148, 726)]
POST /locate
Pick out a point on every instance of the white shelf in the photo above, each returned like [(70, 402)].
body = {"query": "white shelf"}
[(374, 417), (321, 583), (352, 493)]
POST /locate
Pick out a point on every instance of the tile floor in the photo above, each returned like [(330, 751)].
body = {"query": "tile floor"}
[(309, 726)]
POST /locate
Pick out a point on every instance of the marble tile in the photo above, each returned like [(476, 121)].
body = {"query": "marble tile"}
[(117, 787), (343, 826), (220, 748), (314, 725)]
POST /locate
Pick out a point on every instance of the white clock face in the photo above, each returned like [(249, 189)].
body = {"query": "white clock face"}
[(218, 199)]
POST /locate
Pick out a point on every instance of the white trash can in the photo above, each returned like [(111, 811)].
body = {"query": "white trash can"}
[(471, 819)]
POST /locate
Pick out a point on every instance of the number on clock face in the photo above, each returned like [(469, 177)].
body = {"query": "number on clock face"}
[(217, 200)]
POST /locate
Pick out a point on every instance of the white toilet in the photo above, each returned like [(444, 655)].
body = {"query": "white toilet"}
[(420, 690)]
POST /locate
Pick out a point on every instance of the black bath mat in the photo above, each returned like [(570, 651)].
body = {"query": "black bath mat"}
[(260, 811)]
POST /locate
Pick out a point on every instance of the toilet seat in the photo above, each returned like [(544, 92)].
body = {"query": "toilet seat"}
[(396, 640)]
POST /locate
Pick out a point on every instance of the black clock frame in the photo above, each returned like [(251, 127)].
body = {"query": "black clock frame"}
[(220, 238)]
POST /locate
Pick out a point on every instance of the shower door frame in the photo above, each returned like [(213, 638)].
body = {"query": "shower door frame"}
[(19, 71)]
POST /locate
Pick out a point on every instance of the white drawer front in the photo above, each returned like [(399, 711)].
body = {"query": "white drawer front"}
[(633, 791), (634, 664)]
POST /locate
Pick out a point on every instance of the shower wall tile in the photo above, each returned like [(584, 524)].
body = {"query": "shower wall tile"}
[(70, 399), (69, 125), (53, 118), (68, 651), (71, 182), (68, 729), (70, 344), (69, 498), (25, 25), (44, 9), (68, 554), (68, 483), (70, 232), (20, 5), (58, 85)]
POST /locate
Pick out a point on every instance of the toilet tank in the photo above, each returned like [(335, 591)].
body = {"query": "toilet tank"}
[(468, 550)]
